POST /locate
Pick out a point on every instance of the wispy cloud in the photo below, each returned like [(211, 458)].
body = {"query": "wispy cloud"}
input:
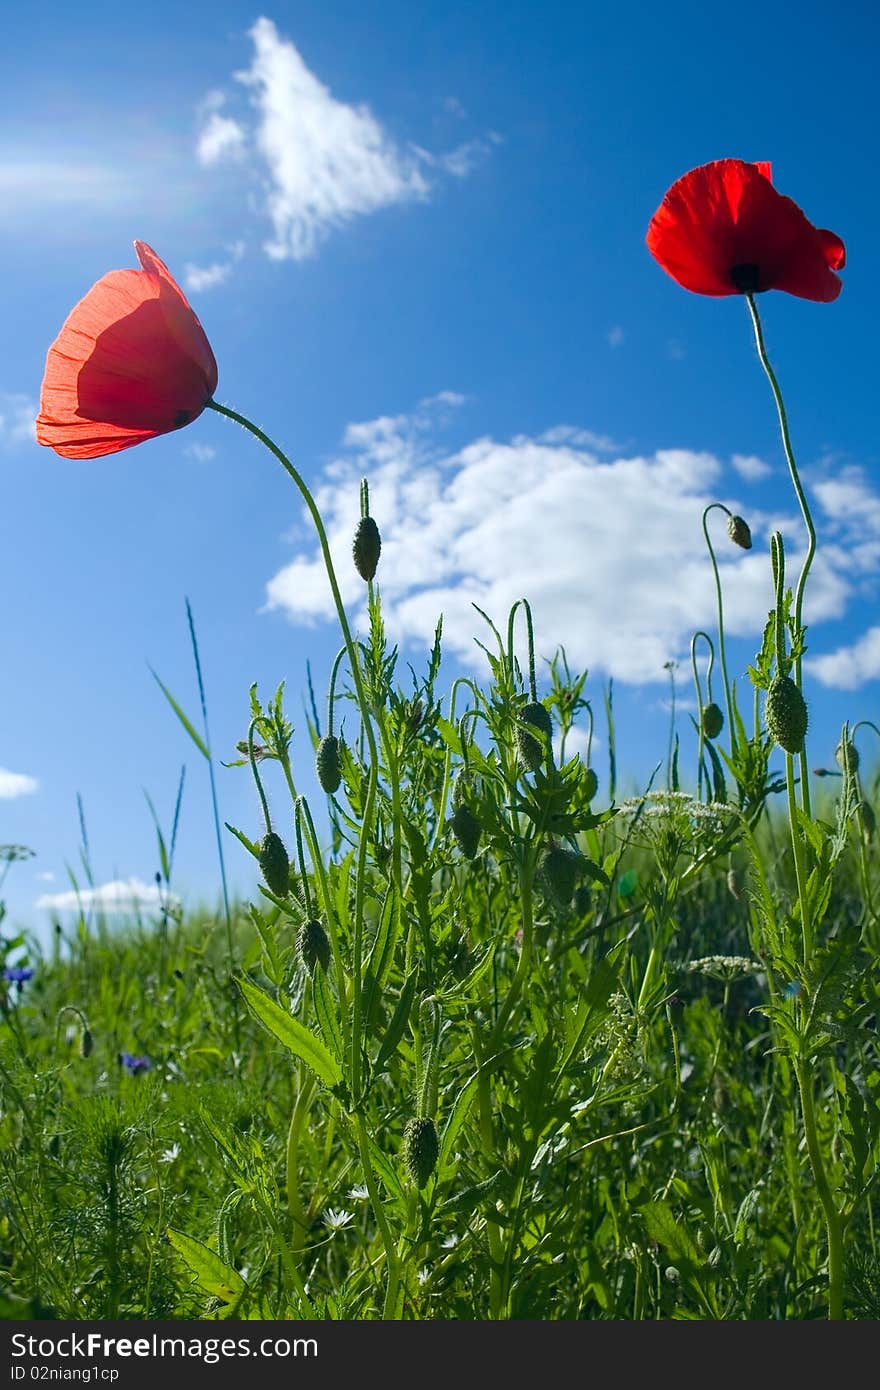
[(849, 667), (750, 467), (202, 453), (608, 549), (120, 896), (17, 415), (198, 278), (616, 336), (61, 183), (13, 784), (321, 161)]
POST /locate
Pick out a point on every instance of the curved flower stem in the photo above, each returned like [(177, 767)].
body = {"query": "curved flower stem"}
[(369, 803), (808, 523), (777, 557), (702, 736), (722, 652)]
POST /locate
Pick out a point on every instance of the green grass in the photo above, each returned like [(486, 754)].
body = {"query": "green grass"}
[(651, 1098)]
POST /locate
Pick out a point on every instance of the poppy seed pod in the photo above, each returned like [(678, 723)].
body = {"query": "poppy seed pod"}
[(366, 548), (327, 766), (420, 1149), (466, 829), (711, 721), (275, 864), (531, 751), (786, 714), (559, 870), (847, 757), (739, 533), (313, 945)]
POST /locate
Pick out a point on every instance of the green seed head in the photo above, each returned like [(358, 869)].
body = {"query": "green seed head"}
[(366, 547), (275, 864), (313, 945), (739, 532), (786, 714), (712, 721), (420, 1149), (532, 751), (559, 870), (327, 763), (591, 784), (466, 829)]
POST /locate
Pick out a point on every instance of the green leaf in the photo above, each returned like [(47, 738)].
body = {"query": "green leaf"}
[(249, 845), (196, 738), (213, 1274), (291, 1033), (326, 1012), (457, 1116), (449, 734), (398, 1023), (667, 1229)]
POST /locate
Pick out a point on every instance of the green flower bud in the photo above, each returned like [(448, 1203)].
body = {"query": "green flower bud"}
[(86, 1043), (733, 884), (420, 1149), (313, 945), (869, 820), (739, 532), (712, 721), (275, 864), (532, 751), (847, 757), (466, 829), (327, 763), (559, 870), (366, 547), (786, 714), (591, 784)]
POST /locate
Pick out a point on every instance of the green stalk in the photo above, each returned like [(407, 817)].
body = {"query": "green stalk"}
[(808, 523), (722, 649), (834, 1222)]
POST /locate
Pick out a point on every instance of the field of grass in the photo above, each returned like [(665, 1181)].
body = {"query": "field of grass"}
[(491, 1043)]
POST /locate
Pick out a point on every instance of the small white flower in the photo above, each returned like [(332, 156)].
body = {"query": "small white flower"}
[(359, 1193), (336, 1220), (169, 1155)]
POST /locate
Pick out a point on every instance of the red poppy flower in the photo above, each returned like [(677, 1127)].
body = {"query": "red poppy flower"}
[(131, 362), (724, 229)]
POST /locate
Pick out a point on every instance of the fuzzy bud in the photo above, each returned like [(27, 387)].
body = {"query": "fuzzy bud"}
[(847, 757), (313, 945), (869, 820), (786, 714), (739, 533), (327, 766), (275, 864), (420, 1149), (86, 1044), (531, 751), (711, 721), (466, 829), (559, 871), (733, 884), (591, 784), (366, 547)]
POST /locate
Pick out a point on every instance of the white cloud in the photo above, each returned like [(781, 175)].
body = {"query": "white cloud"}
[(849, 667), (609, 551), (750, 467), (202, 453), (221, 137), (17, 416), (320, 161), (61, 183), (616, 336), (118, 896), (13, 784), (197, 277)]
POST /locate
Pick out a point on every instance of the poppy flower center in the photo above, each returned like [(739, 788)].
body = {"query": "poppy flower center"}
[(745, 277)]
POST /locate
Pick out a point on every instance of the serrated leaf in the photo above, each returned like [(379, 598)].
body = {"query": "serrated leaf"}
[(399, 1020), (292, 1034)]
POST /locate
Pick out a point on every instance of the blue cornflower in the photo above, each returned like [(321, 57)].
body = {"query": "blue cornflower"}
[(17, 974), (134, 1064)]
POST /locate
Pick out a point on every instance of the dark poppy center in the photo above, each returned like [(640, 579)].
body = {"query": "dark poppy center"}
[(745, 277), (182, 417)]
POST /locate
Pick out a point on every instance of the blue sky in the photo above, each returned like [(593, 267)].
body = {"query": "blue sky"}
[(415, 238)]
